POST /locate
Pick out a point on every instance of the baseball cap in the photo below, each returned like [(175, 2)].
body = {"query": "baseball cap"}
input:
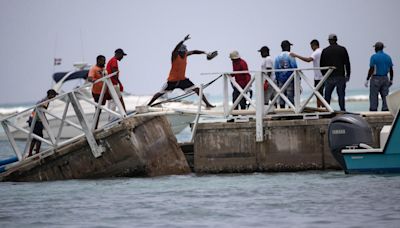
[(234, 55), (379, 45), (263, 48), (120, 51), (332, 37), (286, 43), (51, 92)]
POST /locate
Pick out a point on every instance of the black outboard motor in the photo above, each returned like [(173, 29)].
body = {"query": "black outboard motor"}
[(347, 130)]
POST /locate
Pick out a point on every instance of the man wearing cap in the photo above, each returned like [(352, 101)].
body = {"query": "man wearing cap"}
[(336, 56), (267, 64), (112, 66), (242, 79), (285, 61), (177, 75), (38, 128), (380, 65), (315, 58)]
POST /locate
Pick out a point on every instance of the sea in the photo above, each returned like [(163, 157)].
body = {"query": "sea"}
[(288, 199)]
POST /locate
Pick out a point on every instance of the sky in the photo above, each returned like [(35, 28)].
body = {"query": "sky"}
[(33, 33)]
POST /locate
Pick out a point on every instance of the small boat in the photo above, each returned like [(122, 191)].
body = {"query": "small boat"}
[(350, 136), (77, 77)]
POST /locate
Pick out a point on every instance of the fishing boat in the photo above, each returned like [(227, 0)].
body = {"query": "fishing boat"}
[(77, 77), (350, 137)]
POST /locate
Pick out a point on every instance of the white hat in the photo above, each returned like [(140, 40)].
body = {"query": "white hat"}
[(234, 55)]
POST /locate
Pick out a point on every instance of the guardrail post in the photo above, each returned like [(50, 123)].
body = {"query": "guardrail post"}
[(96, 149), (12, 140), (115, 97), (259, 107), (198, 114), (226, 95), (297, 92)]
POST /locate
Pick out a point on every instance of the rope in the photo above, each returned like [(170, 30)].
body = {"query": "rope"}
[(186, 94)]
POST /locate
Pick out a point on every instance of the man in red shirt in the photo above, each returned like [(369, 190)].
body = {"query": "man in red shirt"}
[(112, 66), (242, 79)]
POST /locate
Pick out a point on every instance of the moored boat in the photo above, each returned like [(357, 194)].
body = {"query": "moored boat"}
[(350, 137)]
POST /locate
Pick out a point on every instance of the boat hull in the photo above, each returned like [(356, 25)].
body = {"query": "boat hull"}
[(376, 163)]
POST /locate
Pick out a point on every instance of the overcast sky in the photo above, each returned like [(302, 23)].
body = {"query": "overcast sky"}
[(33, 33)]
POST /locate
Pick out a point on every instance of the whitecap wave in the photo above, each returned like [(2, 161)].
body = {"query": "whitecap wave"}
[(7, 111)]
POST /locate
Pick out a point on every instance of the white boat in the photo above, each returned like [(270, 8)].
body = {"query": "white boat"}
[(178, 120)]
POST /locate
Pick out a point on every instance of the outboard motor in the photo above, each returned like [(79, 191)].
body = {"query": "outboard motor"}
[(347, 130)]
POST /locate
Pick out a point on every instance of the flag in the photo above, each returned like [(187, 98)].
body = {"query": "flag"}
[(57, 61)]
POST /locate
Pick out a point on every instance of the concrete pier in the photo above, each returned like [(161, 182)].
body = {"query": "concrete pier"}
[(289, 145), (136, 146)]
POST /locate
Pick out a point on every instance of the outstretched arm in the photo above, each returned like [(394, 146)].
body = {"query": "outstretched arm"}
[(175, 51), (305, 59), (196, 52)]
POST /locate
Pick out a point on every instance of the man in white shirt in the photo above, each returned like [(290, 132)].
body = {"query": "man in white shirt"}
[(315, 58), (267, 64)]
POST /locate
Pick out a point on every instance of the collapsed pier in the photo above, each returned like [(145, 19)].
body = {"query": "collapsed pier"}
[(143, 145)]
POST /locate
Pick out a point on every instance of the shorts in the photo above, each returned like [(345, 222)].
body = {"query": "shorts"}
[(38, 128), (182, 84), (96, 98)]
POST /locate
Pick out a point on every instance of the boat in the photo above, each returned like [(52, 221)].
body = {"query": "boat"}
[(350, 137), (179, 120)]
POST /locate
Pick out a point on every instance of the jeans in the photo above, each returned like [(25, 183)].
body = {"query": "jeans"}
[(242, 103), (340, 84), (289, 92), (378, 85)]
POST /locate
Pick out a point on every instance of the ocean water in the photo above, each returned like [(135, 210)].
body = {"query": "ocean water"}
[(300, 199), (303, 199)]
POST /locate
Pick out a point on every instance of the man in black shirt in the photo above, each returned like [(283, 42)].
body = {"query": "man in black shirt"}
[(337, 56)]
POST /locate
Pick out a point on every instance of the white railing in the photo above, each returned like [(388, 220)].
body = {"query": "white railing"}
[(259, 77), (54, 140)]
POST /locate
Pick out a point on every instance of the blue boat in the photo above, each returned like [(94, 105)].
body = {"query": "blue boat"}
[(349, 136)]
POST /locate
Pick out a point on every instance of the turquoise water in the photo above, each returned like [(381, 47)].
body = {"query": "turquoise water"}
[(304, 199)]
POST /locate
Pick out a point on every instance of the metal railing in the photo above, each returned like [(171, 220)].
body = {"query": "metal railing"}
[(259, 77), (74, 99)]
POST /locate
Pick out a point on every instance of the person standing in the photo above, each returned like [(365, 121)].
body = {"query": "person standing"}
[(96, 72), (336, 56), (315, 58), (38, 127), (242, 79), (285, 61), (267, 64), (177, 75), (112, 66), (380, 65)]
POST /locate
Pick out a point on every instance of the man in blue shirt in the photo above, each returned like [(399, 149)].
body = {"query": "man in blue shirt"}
[(379, 66), (285, 61)]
